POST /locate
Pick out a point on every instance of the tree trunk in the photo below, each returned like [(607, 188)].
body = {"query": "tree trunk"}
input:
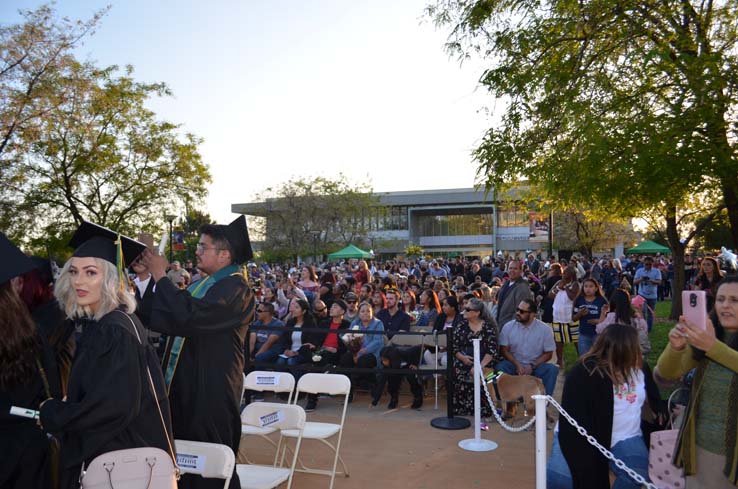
[(731, 204), (677, 253)]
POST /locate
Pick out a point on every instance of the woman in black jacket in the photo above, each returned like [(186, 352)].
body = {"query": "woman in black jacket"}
[(605, 392)]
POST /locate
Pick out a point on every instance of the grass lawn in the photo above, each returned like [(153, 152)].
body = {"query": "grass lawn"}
[(659, 337)]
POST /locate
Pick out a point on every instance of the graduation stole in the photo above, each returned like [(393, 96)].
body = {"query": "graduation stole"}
[(198, 291)]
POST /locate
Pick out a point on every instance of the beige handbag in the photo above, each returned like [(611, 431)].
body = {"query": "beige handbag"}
[(134, 468)]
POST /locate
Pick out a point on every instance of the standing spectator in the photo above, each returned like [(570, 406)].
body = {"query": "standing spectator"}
[(708, 279), (526, 345), (647, 279), (533, 265), (706, 447), (605, 392), (511, 294), (588, 309), (565, 331), (178, 275), (309, 280)]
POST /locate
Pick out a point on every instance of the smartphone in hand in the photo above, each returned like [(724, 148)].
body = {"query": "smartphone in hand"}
[(694, 307)]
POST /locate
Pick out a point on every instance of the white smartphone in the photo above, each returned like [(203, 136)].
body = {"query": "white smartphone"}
[(163, 243), (694, 307), (23, 412)]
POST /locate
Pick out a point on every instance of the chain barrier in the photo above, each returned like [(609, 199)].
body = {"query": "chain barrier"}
[(512, 429), (607, 453), (591, 439)]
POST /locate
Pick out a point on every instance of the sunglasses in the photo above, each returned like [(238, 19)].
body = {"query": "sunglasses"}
[(261, 310), (522, 311), (469, 309), (321, 310)]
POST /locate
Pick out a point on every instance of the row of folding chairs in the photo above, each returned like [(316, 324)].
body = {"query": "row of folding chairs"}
[(212, 460), (329, 434)]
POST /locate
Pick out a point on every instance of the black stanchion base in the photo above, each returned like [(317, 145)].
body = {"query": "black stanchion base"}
[(446, 423)]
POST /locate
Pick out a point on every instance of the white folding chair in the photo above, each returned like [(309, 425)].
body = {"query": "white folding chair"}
[(278, 382), (333, 384), (433, 342), (280, 417), (208, 460)]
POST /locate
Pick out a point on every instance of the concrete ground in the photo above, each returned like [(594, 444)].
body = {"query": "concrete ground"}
[(400, 449)]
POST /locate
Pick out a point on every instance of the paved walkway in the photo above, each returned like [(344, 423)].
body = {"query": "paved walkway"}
[(399, 449)]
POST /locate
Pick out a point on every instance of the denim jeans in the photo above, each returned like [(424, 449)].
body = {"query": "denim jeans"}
[(634, 453), (558, 475), (631, 451), (271, 355), (547, 372), (649, 306), (585, 342)]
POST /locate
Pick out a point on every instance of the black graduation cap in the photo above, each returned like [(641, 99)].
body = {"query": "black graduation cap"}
[(237, 234), (91, 240), (14, 261)]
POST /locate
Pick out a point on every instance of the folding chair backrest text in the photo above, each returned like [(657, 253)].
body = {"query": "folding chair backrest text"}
[(208, 460), (261, 381), (280, 417)]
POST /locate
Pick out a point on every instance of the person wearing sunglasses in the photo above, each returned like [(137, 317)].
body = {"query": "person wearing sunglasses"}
[(477, 323), (527, 344)]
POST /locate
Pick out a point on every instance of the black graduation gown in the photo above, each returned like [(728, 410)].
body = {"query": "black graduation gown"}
[(205, 392), (58, 331), (24, 447), (109, 404)]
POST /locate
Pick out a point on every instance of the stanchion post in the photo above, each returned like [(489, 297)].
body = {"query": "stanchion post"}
[(540, 441), (449, 422), (476, 444)]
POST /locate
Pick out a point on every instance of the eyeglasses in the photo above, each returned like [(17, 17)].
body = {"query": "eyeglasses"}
[(203, 247), (522, 311), (469, 309), (351, 302)]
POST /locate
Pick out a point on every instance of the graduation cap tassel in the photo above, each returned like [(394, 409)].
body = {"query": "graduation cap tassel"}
[(122, 277)]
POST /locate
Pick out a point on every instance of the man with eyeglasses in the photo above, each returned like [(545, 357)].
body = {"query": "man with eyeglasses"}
[(207, 326), (647, 279), (527, 344)]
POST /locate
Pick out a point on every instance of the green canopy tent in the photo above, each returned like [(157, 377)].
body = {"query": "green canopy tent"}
[(350, 251), (648, 248)]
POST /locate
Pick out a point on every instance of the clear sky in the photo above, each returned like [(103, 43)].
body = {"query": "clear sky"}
[(283, 88)]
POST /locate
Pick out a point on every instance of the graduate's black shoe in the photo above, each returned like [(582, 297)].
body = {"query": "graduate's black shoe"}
[(393, 403), (417, 403)]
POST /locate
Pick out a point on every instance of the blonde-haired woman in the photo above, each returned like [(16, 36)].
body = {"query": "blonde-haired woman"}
[(110, 404)]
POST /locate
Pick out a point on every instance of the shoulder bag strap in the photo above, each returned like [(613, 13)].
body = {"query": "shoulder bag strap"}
[(156, 398)]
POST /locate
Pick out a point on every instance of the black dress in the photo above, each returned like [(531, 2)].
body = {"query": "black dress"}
[(109, 405), (24, 447), (205, 392), (463, 374)]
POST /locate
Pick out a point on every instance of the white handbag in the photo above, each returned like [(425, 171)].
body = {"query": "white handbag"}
[(134, 468)]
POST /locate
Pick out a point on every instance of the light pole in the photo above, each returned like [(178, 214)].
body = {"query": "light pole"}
[(316, 236), (171, 218)]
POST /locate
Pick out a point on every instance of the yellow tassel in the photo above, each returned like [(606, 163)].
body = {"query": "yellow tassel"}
[(119, 264)]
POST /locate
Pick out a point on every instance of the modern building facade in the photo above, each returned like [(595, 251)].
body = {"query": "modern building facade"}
[(444, 222)]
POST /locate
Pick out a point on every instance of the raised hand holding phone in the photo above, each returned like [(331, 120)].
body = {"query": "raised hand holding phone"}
[(694, 307)]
